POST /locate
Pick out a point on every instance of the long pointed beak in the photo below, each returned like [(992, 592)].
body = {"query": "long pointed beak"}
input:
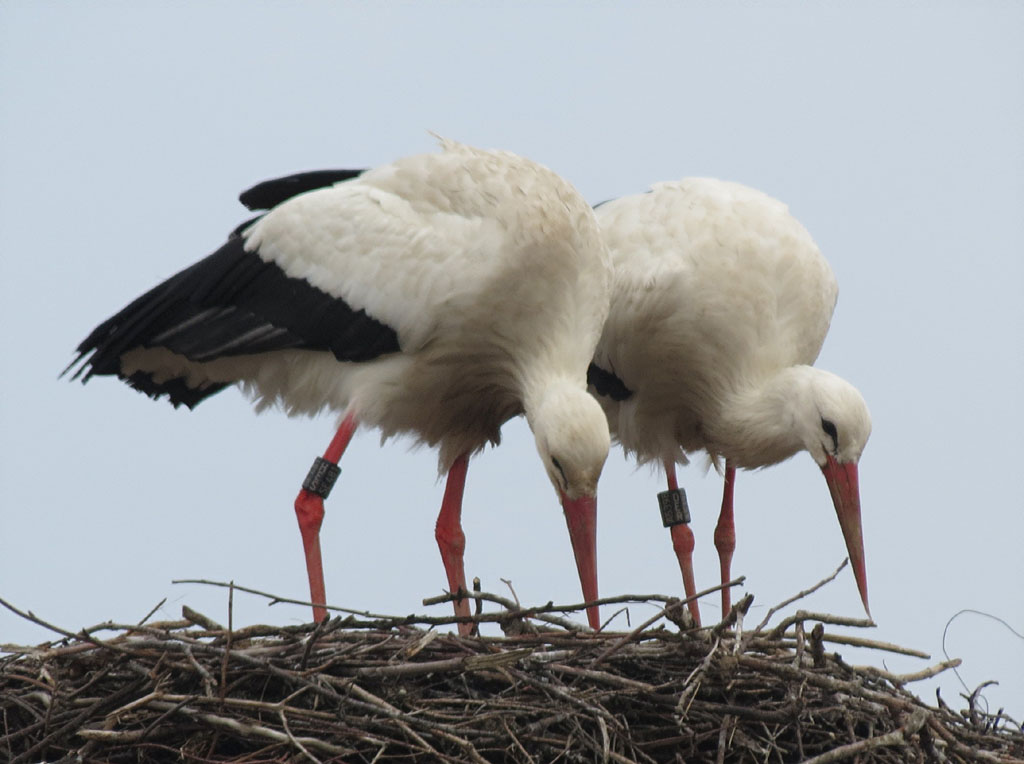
[(581, 517), (844, 485)]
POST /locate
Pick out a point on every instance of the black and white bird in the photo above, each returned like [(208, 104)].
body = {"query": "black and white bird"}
[(438, 296), (720, 304)]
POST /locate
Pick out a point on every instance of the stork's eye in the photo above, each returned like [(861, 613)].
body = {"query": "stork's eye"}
[(565, 480), (832, 432)]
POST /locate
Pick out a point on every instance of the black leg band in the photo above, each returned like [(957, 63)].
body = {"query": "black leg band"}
[(673, 506), (321, 477)]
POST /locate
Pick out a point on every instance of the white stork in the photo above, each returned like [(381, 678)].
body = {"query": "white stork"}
[(720, 304), (438, 296)]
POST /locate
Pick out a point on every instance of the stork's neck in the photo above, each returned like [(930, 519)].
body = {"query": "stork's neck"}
[(541, 390), (759, 423)]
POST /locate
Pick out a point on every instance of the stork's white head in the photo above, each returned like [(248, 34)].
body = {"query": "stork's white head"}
[(831, 418), (573, 441), (834, 425)]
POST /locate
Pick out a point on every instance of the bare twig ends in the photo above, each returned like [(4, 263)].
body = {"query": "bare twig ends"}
[(800, 595)]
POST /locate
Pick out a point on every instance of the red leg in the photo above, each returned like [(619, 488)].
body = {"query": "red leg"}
[(683, 543), (450, 538), (725, 534), (309, 509)]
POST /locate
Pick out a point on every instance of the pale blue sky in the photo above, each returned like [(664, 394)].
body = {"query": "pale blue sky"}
[(893, 131)]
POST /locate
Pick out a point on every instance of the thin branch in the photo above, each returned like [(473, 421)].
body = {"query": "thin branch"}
[(874, 644), (835, 620), (626, 638), (800, 595), (149, 615), (199, 619), (901, 679), (274, 598), (294, 741), (672, 606)]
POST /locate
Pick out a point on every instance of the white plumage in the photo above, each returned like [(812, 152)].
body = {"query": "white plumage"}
[(438, 297), (488, 268), (721, 302)]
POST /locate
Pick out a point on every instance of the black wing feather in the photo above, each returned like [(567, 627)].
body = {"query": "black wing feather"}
[(607, 383), (230, 303), (270, 193)]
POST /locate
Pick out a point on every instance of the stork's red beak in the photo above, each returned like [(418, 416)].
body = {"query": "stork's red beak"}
[(581, 517), (844, 486)]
